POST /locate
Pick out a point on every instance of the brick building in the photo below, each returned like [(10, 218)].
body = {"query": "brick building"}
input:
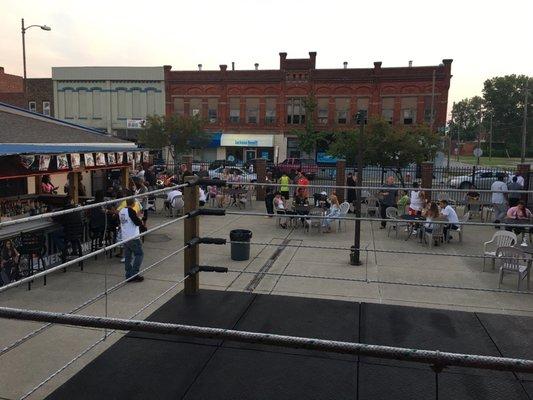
[(254, 111), (39, 93), (10, 83)]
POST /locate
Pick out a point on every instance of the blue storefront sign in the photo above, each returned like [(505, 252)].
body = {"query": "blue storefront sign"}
[(323, 158)]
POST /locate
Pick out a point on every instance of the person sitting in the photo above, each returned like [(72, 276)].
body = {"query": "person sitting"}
[(450, 214), (8, 263), (431, 213), (333, 212), (521, 213), (174, 200), (321, 200), (202, 196), (403, 202), (47, 186), (301, 203), (279, 207)]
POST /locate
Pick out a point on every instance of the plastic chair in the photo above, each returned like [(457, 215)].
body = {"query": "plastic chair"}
[(499, 239), (436, 234), (314, 222), (344, 208), (512, 260), (392, 213), (176, 205), (461, 229), (372, 206), (32, 245)]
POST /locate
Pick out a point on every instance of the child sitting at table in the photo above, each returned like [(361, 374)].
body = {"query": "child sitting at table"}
[(333, 212), (403, 202), (279, 206)]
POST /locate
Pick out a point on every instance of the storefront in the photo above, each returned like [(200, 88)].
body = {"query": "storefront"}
[(242, 147)]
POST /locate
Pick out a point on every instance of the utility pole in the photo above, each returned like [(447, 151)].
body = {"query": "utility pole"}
[(479, 132), (23, 30), (356, 260), (524, 126), (490, 139)]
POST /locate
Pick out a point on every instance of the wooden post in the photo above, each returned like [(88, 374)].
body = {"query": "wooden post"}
[(341, 179), (191, 229), (260, 169), (37, 184), (125, 177), (427, 178), (74, 186)]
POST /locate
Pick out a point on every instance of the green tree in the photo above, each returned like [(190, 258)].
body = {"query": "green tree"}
[(387, 146), (309, 137), (467, 115), (181, 133), (504, 99)]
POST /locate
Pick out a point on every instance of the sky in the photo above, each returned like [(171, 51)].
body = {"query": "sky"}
[(484, 38)]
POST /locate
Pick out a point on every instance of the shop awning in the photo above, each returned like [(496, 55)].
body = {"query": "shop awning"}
[(23, 148), (246, 140)]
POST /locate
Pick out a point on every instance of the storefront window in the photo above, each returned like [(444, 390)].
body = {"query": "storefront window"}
[(292, 148)]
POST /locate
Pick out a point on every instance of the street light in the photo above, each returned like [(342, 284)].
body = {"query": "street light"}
[(23, 30)]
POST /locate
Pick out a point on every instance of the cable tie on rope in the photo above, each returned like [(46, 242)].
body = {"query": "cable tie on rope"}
[(206, 211), (205, 268), (205, 240)]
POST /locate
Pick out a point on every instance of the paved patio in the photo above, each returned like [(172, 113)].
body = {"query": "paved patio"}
[(26, 366)]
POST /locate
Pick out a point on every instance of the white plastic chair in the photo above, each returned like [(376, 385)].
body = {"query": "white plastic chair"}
[(392, 213), (436, 234), (513, 260), (372, 206), (344, 208), (499, 239), (461, 228)]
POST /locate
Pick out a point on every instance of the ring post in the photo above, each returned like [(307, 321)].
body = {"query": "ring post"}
[(191, 229)]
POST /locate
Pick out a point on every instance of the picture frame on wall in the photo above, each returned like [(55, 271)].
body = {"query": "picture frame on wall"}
[(111, 158), (100, 159), (120, 158), (62, 161), (44, 162), (75, 160), (129, 158), (137, 157), (89, 159)]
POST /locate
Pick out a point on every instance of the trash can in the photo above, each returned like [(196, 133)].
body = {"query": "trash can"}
[(240, 251)]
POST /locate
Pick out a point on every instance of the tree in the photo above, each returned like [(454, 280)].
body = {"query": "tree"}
[(309, 137), (504, 100), (181, 133), (467, 115), (387, 146)]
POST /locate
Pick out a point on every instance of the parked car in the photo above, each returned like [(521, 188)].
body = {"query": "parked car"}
[(307, 165), (482, 179), (247, 176), (221, 163)]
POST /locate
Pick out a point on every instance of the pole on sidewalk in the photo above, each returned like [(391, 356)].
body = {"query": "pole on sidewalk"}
[(355, 258), (191, 229)]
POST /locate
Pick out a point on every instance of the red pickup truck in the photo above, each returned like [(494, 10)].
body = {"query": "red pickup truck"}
[(291, 165)]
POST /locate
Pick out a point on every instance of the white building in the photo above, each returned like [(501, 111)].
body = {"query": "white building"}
[(112, 99)]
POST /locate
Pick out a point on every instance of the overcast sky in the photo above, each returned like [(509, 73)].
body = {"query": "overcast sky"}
[(484, 38)]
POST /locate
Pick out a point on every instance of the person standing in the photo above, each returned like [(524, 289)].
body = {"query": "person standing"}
[(269, 202), (417, 200), (303, 183), (388, 199), (514, 191), (350, 193), (499, 200), (284, 182), (130, 225)]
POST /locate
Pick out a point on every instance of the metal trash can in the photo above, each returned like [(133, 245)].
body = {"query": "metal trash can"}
[(240, 251)]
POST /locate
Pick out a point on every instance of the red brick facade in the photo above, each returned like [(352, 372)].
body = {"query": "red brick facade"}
[(299, 77), (38, 90), (10, 83)]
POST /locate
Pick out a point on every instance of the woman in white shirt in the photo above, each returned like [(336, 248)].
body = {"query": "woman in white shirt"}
[(279, 207)]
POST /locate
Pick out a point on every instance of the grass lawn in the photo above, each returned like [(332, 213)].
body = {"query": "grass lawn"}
[(495, 162)]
